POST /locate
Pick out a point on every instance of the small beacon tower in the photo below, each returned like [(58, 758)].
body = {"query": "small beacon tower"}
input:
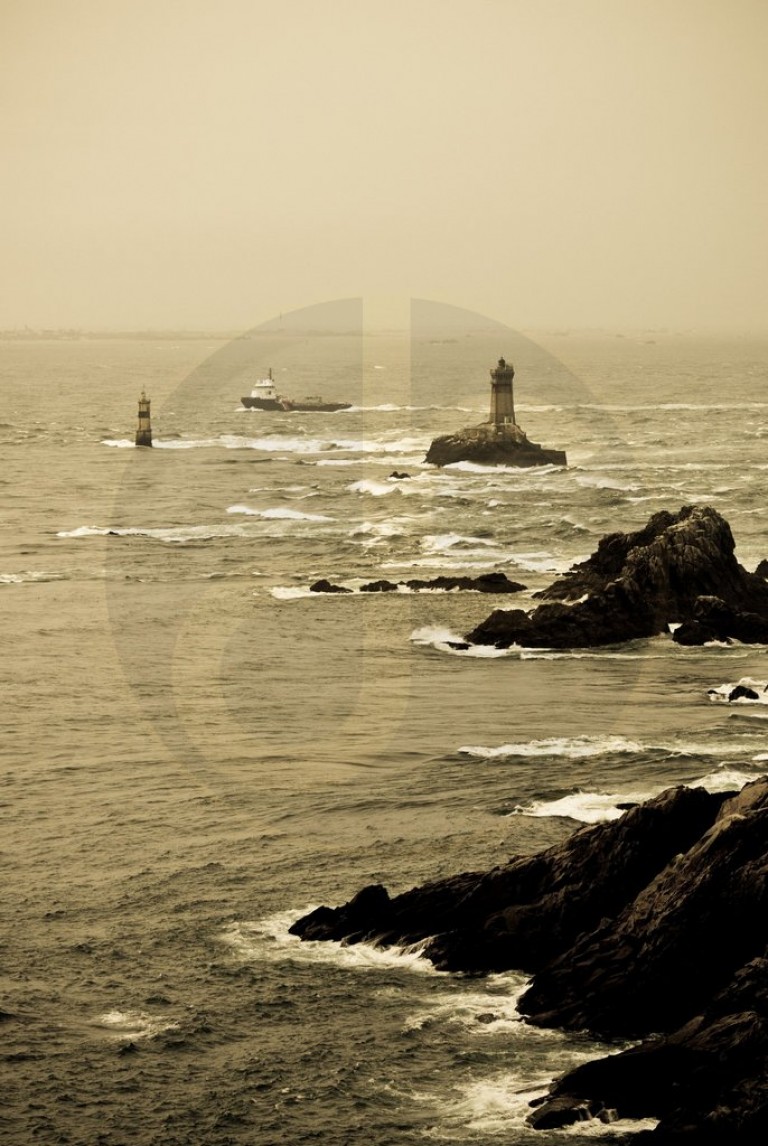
[(144, 430), (502, 398)]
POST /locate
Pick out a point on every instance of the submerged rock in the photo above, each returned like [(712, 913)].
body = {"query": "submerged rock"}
[(679, 570)]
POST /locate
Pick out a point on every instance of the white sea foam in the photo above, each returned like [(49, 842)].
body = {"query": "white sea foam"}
[(30, 575), (673, 406), (443, 564), (492, 1011), (575, 748), (381, 530), (391, 407), (725, 779), (723, 691), (586, 807), (590, 807), (440, 542), (383, 408), (134, 1025), (581, 747), (492, 1106), (442, 639), (498, 1105), (605, 483), (279, 514), (284, 444), (375, 488), (540, 562), (405, 486), (410, 460), (268, 940), (172, 534), (293, 593), (526, 562)]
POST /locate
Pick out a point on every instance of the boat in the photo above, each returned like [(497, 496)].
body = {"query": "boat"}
[(264, 396)]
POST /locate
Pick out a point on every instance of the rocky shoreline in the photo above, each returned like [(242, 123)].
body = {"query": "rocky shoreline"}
[(651, 927)]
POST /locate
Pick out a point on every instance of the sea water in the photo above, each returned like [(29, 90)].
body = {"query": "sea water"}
[(198, 749)]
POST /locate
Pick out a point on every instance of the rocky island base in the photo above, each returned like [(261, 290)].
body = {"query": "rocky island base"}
[(492, 444)]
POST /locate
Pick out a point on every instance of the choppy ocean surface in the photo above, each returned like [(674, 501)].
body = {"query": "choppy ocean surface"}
[(197, 750)]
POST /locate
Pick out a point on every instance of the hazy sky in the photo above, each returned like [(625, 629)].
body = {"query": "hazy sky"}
[(210, 163)]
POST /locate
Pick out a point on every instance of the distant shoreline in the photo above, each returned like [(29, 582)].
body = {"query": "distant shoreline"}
[(112, 335), (648, 336)]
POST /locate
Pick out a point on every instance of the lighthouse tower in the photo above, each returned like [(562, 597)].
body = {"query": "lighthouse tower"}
[(144, 430), (502, 398)]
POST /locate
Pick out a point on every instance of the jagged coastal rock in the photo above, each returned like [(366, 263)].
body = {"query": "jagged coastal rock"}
[(679, 570), (653, 926), (498, 442)]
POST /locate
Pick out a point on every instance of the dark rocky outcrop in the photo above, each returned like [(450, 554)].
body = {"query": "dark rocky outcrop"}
[(677, 943), (706, 1082), (746, 689), (713, 620), (533, 908), (654, 926), (762, 569), (742, 692), (679, 570), (325, 586), (491, 444), (485, 583)]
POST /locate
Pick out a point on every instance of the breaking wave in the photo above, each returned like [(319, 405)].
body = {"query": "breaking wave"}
[(30, 576), (269, 940), (278, 514), (445, 641), (592, 807), (576, 748)]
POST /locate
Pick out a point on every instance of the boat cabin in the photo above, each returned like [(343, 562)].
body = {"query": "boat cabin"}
[(265, 388)]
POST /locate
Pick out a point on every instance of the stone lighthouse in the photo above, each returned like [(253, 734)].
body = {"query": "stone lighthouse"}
[(502, 396), (144, 430), (498, 442)]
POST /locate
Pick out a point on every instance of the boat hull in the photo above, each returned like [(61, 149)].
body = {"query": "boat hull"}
[(288, 405)]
